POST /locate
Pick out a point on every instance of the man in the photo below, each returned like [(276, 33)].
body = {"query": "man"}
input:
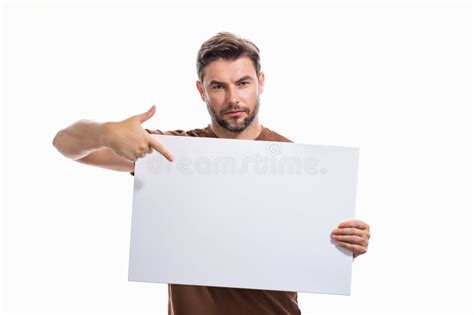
[(230, 83)]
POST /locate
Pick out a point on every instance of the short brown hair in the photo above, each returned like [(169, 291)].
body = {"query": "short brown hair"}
[(227, 46)]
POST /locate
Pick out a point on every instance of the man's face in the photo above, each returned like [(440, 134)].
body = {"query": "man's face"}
[(231, 90)]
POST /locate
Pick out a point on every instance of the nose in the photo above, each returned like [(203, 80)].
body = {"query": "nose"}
[(232, 95)]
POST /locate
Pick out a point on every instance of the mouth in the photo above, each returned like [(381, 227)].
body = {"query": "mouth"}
[(235, 113)]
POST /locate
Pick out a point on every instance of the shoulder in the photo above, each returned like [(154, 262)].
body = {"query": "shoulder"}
[(270, 135)]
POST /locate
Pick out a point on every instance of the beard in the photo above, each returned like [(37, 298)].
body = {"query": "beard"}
[(230, 126)]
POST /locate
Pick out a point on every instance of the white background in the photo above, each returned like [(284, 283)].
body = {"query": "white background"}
[(392, 79)]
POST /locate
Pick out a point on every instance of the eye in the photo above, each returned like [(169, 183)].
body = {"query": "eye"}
[(244, 83), (217, 86)]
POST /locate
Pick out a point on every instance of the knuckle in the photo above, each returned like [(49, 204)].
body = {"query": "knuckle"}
[(152, 144)]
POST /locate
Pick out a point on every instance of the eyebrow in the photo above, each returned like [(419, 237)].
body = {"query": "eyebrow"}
[(244, 78)]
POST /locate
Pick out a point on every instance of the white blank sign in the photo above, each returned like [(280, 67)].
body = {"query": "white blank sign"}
[(243, 214)]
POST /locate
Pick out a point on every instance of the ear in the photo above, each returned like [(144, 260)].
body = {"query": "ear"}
[(200, 90), (261, 82)]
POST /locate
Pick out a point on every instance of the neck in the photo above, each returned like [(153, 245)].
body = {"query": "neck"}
[(250, 133)]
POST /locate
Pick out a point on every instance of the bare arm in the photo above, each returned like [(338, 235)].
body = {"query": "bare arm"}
[(80, 139), (111, 145)]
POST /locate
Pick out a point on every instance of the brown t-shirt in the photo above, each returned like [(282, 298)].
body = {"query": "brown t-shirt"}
[(203, 300)]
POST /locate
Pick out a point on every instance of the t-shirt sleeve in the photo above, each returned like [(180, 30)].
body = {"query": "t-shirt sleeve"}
[(155, 132)]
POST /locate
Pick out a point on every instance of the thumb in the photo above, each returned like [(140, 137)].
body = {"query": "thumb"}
[(147, 115)]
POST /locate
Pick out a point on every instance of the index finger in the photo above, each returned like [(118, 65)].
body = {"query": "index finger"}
[(160, 148), (354, 224)]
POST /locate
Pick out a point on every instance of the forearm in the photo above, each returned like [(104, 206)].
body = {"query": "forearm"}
[(111, 145), (80, 139)]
